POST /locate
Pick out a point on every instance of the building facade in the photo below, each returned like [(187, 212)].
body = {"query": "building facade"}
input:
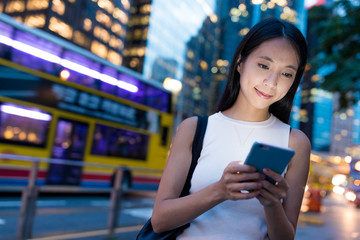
[(97, 25), (200, 84), (158, 33)]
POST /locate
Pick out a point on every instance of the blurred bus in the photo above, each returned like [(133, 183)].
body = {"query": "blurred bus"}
[(60, 101)]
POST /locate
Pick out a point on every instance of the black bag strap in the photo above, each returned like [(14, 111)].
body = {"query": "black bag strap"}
[(196, 150)]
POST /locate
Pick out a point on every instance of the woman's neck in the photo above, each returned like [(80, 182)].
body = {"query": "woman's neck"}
[(247, 113)]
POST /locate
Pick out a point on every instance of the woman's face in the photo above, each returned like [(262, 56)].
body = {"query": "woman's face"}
[(268, 73)]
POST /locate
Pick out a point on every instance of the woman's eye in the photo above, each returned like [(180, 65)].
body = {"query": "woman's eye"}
[(263, 66), (288, 75)]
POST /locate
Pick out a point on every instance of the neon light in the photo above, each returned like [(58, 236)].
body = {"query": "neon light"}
[(22, 112), (5, 40), (80, 69), (108, 79), (127, 86), (67, 64), (35, 52)]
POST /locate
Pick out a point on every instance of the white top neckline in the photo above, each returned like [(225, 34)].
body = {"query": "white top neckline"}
[(265, 123)]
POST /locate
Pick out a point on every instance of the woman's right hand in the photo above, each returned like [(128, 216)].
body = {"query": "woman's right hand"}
[(239, 181)]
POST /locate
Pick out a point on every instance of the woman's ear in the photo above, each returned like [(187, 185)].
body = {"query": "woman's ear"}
[(239, 65)]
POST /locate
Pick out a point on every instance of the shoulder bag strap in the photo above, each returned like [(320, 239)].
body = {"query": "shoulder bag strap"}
[(196, 150)]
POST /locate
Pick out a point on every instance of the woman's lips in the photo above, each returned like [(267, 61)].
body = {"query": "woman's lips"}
[(263, 95)]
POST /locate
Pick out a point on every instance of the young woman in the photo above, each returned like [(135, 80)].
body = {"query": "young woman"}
[(264, 75)]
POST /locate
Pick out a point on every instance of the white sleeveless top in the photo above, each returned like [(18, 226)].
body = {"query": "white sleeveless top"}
[(228, 140)]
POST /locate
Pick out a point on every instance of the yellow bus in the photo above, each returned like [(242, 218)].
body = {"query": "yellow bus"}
[(60, 101)]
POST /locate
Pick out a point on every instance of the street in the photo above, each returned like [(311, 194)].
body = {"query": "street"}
[(86, 218)]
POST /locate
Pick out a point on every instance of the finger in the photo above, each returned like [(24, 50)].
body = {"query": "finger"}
[(239, 168), (271, 191), (256, 176), (274, 175), (242, 195), (249, 186)]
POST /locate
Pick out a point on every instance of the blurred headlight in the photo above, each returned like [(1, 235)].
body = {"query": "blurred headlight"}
[(350, 196), (338, 190)]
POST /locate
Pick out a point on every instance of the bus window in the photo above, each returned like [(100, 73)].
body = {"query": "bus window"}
[(109, 141), (164, 136), (69, 144), (21, 125)]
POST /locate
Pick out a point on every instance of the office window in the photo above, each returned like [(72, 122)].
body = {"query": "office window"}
[(58, 7), (114, 57), (37, 4), (103, 18), (102, 34), (61, 28), (37, 20), (15, 6), (81, 39), (99, 49), (87, 24), (121, 16)]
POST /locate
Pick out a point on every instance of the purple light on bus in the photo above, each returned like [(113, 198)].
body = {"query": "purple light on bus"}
[(79, 68), (23, 112), (67, 64), (127, 86), (5, 40)]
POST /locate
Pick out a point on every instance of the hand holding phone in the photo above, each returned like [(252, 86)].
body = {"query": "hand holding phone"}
[(264, 155)]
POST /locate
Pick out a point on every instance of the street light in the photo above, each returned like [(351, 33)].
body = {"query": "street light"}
[(172, 85), (175, 86)]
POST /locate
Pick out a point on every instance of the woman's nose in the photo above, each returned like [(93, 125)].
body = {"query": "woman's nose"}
[(271, 80)]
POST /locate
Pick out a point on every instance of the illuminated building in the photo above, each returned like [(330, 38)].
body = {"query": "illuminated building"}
[(158, 46), (137, 36), (342, 134), (96, 25), (160, 38), (202, 68), (317, 105)]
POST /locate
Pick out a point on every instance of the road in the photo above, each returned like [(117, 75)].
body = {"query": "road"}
[(85, 218)]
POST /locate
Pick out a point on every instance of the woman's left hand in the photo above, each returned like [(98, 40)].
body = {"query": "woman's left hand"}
[(271, 194)]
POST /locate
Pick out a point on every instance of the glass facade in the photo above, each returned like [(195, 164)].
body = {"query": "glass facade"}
[(322, 119), (356, 126), (172, 23), (200, 84)]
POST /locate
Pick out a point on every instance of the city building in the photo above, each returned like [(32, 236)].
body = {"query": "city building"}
[(158, 34), (202, 68), (317, 105), (137, 36), (97, 25)]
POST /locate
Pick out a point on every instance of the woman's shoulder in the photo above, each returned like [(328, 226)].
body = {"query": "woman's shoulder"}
[(298, 140), (188, 124), (186, 129)]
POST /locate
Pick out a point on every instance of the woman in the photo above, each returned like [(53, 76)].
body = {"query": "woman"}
[(264, 75)]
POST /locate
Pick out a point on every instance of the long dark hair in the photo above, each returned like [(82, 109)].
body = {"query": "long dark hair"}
[(265, 30)]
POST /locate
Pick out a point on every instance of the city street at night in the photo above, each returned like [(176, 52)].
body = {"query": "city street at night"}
[(242, 105), (85, 218)]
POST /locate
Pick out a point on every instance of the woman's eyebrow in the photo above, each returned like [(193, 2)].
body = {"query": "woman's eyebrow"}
[(270, 60)]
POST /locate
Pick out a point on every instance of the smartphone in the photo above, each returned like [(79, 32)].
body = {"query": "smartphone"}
[(264, 155)]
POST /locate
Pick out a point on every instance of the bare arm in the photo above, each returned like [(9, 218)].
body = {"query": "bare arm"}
[(281, 218), (168, 203)]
